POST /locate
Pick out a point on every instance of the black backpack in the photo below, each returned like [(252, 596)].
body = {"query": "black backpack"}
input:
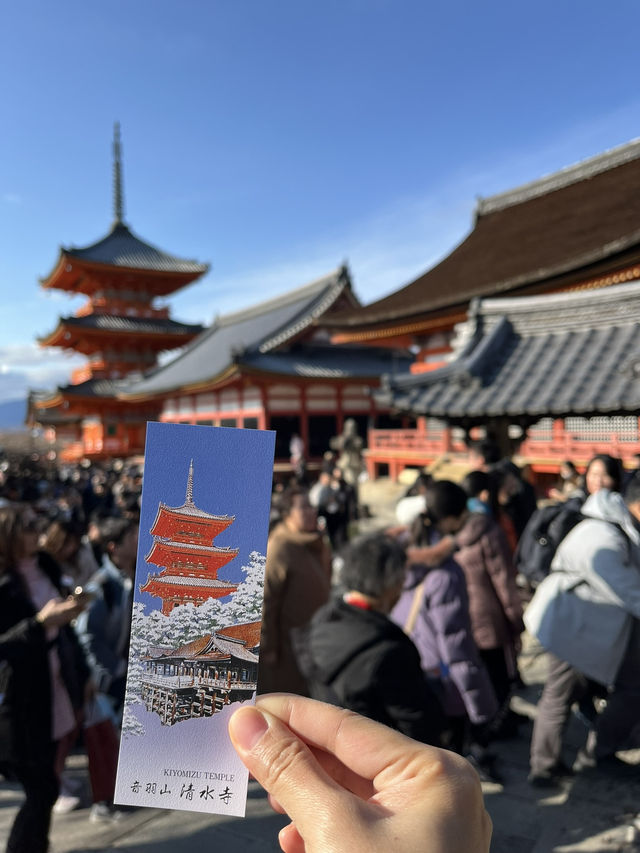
[(545, 530)]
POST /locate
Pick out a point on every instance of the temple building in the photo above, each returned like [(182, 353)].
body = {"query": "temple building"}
[(120, 329), (574, 230), (201, 677), (270, 367), (556, 376), (182, 548)]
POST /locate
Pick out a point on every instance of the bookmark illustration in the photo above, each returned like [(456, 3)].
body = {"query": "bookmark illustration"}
[(197, 604)]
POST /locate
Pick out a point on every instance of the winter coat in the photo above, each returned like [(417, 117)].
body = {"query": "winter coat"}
[(25, 679), (443, 636), (104, 628), (494, 603), (296, 583), (361, 660), (583, 610)]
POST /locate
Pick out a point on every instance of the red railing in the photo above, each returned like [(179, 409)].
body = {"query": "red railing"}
[(402, 448)]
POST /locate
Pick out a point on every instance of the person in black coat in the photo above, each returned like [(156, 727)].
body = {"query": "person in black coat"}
[(42, 674), (353, 655)]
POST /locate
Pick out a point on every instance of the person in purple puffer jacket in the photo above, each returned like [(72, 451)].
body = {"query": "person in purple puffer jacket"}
[(495, 606), (434, 610)]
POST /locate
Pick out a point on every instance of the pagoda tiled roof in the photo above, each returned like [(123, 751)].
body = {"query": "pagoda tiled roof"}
[(182, 580), (583, 218), (192, 510), (122, 248), (525, 358), (131, 325), (261, 329), (193, 546), (108, 388), (38, 401)]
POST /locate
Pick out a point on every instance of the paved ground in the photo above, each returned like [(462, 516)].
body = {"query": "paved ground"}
[(593, 813)]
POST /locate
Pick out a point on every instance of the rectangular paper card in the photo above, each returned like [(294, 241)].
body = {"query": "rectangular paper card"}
[(197, 605)]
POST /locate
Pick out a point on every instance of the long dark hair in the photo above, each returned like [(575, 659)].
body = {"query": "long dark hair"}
[(10, 529), (612, 466)]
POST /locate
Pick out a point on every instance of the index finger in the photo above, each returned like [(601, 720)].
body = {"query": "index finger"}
[(364, 746)]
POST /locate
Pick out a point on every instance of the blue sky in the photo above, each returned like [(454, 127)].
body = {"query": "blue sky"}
[(277, 140)]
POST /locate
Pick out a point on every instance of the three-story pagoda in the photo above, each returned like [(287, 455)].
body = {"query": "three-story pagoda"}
[(120, 329), (183, 548)]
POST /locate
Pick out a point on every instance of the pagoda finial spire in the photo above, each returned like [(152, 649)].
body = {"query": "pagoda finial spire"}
[(189, 497), (118, 197)]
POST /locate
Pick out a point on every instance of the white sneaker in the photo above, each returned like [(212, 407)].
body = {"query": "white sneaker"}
[(104, 813), (66, 803)]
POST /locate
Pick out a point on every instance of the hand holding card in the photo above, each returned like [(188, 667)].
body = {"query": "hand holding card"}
[(349, 783)]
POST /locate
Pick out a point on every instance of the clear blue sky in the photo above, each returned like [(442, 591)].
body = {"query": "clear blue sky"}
[(276, 140)]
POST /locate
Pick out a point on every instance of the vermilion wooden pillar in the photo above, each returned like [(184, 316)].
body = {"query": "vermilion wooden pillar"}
[(304, 420), (339, 411)]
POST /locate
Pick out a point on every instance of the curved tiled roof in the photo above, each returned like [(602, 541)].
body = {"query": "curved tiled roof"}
[(235, 648), (191, 509), (246, 632), (196, 547), (329, 362), (96, 388), (180, 580), (259, 329), (582, 218), (128, 325), (208, 645), (530, 357), (122, 248)]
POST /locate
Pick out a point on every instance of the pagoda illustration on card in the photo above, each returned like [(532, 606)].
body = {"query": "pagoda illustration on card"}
[(200, 677), (183, 549)]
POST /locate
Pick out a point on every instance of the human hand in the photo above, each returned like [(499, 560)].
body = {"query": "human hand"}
[(57, 612), (351, 784)]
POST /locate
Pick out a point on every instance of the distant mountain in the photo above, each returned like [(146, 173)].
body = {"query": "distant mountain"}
[(12, 414)]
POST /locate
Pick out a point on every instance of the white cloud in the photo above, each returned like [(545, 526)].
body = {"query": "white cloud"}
[(27, 366)]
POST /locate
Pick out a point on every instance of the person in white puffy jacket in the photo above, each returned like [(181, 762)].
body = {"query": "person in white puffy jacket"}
[(586, 613)]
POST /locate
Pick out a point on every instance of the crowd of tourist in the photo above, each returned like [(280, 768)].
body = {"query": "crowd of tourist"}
[(68, 542), (417, 626), (464, 568)]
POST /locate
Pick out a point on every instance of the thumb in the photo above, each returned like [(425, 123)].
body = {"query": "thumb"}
[(285, 766)]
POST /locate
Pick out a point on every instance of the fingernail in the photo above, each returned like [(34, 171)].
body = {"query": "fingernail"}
[(246, 727)]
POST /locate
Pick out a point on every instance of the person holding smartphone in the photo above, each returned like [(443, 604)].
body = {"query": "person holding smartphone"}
[(42, 674)]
